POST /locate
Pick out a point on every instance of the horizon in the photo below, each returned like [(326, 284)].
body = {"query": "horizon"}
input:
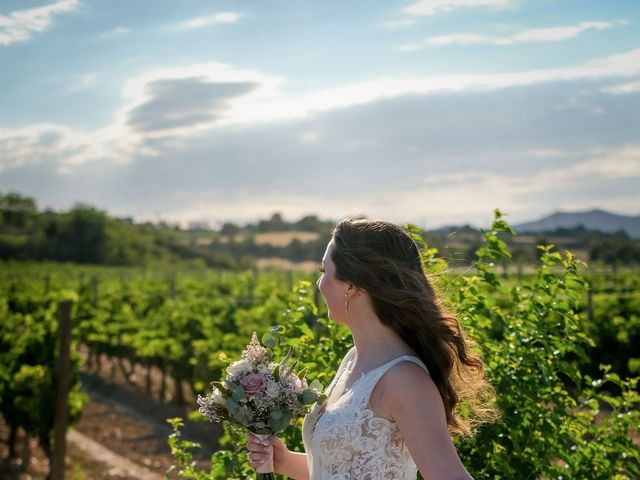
[(247, 222), (427, 112)]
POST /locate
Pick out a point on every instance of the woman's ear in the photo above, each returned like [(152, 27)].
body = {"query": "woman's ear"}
[(356, 290)]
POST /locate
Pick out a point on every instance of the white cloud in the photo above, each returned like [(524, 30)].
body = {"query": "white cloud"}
[(460, 39), (310, 137), (558, 33), (20, 25), (200, 22), (631, 87), (553, 34), (433, 7), (114, 32), (61, 145)]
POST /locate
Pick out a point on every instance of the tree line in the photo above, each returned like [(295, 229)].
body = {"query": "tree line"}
[(87, 235)]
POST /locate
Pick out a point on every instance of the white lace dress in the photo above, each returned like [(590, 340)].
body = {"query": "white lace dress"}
[(347, 440)]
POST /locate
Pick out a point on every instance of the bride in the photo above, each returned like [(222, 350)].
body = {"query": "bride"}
[(390, 409)]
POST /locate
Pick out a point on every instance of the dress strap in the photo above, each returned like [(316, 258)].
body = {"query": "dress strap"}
[(346, 361)]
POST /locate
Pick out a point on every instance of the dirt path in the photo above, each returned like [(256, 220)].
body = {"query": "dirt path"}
[(117, 465), (135, 431), (85, 460)]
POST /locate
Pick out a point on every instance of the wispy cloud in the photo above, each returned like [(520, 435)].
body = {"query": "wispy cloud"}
[(465, 39), (556, 34), (552, 34), (433, 7), (113, 33), (601, 165), (201, 22), (20, 25), (404, 22), (631, 87)]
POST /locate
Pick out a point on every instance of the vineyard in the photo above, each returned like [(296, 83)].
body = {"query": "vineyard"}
[(561, 344)]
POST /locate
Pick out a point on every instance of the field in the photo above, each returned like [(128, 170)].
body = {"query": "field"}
[(277, 239)]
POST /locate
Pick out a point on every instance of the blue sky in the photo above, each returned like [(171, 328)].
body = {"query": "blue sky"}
[(432, 112)]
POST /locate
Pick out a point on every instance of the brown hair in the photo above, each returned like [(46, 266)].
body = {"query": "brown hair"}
[(382, 259)]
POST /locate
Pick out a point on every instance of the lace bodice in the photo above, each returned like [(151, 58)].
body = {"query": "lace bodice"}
[(347, 440)]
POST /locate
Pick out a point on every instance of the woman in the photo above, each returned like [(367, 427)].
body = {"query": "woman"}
[(390, 410)]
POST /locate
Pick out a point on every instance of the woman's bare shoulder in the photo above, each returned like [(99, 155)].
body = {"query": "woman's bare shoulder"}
[(401, 381)]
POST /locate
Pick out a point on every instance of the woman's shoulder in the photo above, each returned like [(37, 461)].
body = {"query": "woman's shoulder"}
[(408, 375), (405, 371), (405, 379)]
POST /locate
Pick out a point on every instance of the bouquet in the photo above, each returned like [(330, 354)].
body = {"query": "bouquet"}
[(260, 395)]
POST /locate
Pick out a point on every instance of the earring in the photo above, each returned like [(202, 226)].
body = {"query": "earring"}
[(346, 303)]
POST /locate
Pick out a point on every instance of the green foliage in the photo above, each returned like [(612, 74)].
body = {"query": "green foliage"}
[(28, 366), (615, 321), (533, 344)]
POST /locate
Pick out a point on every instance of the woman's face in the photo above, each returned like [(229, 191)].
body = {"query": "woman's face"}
[(333, 290)]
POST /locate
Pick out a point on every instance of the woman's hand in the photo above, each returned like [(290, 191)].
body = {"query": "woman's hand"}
[(259, 451)]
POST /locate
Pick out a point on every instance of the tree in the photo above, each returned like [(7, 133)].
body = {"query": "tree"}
[(17, 213)]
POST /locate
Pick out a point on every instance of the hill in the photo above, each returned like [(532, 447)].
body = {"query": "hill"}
[(598, 220)]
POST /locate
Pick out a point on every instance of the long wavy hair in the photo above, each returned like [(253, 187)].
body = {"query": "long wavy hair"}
[(382, 259)]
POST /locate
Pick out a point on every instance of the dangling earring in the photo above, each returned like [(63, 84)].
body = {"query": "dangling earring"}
[(346, 303)]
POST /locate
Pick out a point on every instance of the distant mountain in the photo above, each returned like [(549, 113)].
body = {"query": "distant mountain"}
[(593, 220)]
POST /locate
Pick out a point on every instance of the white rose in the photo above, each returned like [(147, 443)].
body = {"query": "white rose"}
[(273, 389), (217, 397), (262, 368), (241, 366)]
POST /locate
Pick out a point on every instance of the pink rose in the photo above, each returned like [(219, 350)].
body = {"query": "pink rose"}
[(298, 384), (254, 383)]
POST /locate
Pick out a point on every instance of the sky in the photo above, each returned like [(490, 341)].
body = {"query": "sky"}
[(433, 112)]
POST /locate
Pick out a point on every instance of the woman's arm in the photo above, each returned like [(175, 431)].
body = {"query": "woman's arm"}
[(295, 466), (410, 397), (285, 462)]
